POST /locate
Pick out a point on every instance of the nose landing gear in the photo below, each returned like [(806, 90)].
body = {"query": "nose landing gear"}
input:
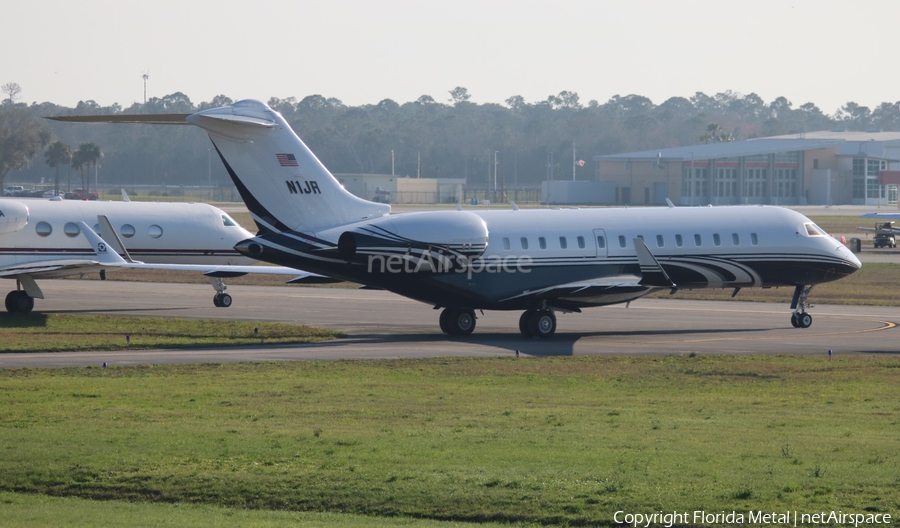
[(801, 319)]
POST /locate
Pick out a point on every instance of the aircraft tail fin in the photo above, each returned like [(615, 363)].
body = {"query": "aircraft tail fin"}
[(283, 184)]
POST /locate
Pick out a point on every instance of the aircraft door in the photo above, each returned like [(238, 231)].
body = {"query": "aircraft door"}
[(601, 242)]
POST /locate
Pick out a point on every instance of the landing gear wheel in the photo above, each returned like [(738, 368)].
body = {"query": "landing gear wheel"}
[(523, 323), (17, 301), (794, 320), (804, 320), (461, 321), (222, 300), (542, 324), (444, 320)]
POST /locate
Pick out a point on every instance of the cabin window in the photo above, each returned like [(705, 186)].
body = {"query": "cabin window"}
[(697, 240), (717, 240), (563, 243), (228, 222), (524, 242), (542, 242), (154, 231), (679, 241), (659, 241), (127, 230), (43, 229), (71, 229), (754, 239), (735, 239), (601, 242), (581, 242), (622, 241)]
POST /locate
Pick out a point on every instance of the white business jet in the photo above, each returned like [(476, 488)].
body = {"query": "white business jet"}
[(40, 239), (538, 261)]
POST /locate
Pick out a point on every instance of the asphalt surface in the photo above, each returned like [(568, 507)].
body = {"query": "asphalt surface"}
[(380, 324)]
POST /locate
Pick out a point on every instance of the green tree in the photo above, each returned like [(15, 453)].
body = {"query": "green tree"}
[(21, 139), (58, 153), (86, 157)]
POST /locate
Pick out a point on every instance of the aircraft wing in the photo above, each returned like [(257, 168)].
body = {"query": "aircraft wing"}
[(615, 289), (894, 230), (110, 258), (51, 268)]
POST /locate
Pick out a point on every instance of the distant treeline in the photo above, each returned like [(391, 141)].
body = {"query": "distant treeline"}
[(455, 138)]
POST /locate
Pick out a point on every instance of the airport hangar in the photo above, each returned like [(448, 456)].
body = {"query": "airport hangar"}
[(814, 168)]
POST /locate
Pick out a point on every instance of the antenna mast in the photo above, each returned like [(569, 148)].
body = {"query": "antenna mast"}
[(145, 76)]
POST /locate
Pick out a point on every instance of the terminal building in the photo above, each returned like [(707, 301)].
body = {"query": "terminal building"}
[(814, 168)]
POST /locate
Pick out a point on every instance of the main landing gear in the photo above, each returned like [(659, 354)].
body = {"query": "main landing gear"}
[(221, 299), (801, 319), (18, 301), (533, 323)]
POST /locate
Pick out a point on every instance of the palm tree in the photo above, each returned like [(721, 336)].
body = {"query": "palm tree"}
[(58, 154), (88, 154)]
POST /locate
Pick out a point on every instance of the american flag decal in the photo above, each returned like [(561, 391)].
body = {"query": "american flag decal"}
[(287, 160)]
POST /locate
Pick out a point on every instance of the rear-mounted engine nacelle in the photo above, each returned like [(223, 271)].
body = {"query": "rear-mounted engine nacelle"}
[(13, 216)]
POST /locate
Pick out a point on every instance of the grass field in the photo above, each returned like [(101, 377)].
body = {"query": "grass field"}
[(56, 333), (556, 440)]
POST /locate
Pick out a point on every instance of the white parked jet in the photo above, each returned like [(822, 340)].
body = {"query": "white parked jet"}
[(538, 261), (41, 239)]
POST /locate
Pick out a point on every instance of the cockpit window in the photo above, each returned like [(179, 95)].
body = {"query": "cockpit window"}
[(228, 221), (814, 230)]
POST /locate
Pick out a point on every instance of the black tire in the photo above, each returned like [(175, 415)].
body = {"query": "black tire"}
[(17, 301), (444, 320), (542, 324), (216, 302), (225, 300), (523, 323), (461, 321), (795, 320), (805, 320)]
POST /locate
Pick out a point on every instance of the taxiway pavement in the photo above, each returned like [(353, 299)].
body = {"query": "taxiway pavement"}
[(380, 324)]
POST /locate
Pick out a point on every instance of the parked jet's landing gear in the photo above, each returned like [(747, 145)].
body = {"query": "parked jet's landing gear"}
[(18, 301), (801, 319), (221, 299), (457, 321), (537, 323)]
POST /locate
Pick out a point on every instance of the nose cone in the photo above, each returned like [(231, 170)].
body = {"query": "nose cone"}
[(851, 260)]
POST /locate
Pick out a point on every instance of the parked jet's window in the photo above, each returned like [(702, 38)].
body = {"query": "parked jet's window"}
[(621, 241), (542, 242), (659, 241), (716, 239), (43, 229), (697, 240), (127, 230), (71, 229), (814, 230), (506, 243), (735, 239), (679, 241), (601, 242), (155, 231), (563, 244), (581, 242), (524, 242), (228, 222), (754, 239)]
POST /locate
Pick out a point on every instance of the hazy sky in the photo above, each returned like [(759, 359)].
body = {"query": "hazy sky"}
[(826, 52)]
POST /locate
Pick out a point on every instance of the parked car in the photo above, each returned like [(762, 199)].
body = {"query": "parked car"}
[(81, 194), (15, 190), (382, 195)]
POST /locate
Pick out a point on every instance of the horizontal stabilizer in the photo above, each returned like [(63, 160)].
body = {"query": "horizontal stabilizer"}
[(652, 273), (145, 119)]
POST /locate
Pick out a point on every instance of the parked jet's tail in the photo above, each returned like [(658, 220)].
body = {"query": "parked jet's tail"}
[(284, 185)]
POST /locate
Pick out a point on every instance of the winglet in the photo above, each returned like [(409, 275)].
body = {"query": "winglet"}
[(652, 272), (669, 203), (125, 197), (108, 232), (104, 255)]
